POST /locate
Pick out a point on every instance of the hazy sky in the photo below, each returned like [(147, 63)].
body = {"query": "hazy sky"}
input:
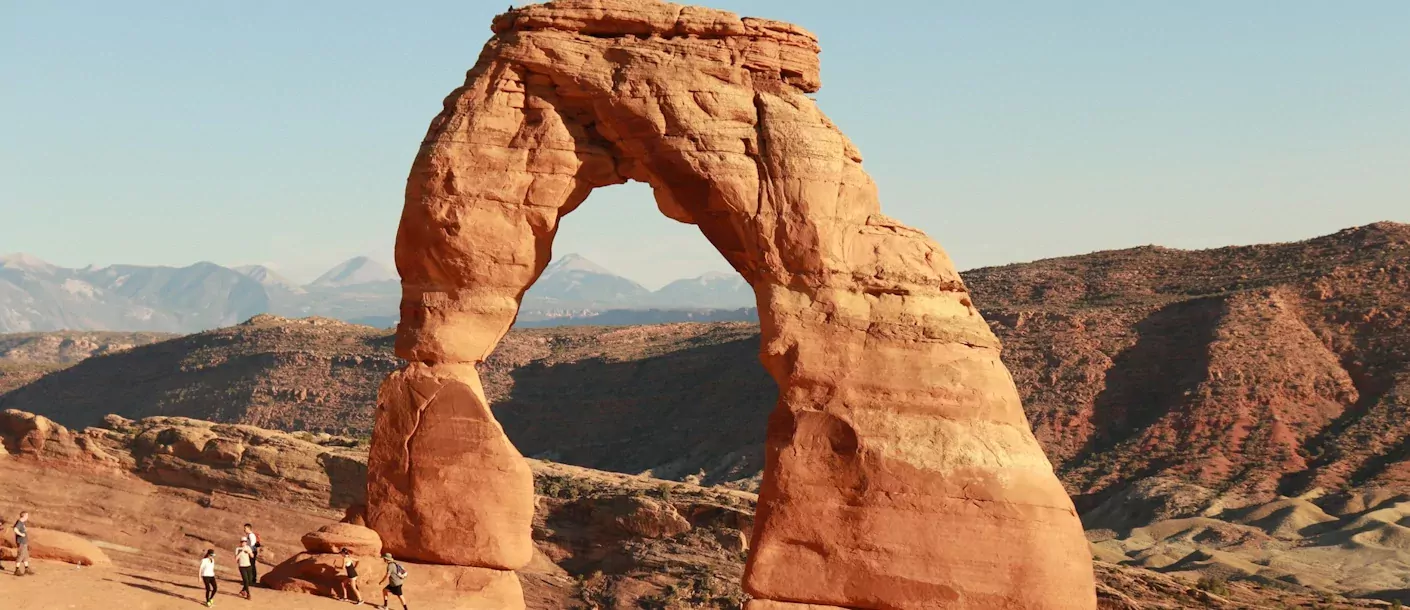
[(281, 132)]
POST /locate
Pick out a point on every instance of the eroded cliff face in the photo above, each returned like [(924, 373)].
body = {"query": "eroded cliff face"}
[(898, 445)]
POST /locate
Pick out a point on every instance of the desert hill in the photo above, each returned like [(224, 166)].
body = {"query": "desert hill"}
[(307, 374), (1249, 371), (25, 357), (671, 399), (1227, 377)]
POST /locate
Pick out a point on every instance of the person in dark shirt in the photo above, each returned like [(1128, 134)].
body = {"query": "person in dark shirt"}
[(350, 591), (21, 530)]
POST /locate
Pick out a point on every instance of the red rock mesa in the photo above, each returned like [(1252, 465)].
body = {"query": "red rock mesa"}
[(901, 471)]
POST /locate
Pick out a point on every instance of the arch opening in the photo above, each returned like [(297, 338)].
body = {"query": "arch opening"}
[(581, 409)]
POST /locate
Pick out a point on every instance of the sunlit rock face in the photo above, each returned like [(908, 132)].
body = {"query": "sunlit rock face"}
[(901, 471)]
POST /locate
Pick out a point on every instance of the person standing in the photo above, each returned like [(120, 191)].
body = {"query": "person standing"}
[(254, 541), (395, 578), (245, 560), (350, 579), (208, 576), (21, 530)]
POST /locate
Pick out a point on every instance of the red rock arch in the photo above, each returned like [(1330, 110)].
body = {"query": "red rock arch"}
[(901, 471)]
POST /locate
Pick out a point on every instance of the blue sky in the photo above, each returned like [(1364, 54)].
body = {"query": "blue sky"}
[(281, 132)]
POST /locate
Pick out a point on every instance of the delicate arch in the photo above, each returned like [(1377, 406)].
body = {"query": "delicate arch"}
[(898, 447)]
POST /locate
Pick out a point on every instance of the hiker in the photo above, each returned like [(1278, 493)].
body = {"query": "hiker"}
[(350, 579), (396, 576), (254, 548), (245, 560), (21, 530), (208, 576)]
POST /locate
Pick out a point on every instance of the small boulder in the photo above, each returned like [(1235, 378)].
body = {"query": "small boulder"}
[(222, 452), (355, 514), (321, 574), (185, 442), (646, 517), (57, 546), (35, 435), (334, 538)]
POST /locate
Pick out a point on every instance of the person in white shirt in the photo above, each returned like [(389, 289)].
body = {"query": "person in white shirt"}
[(245, 560), (208, 576)]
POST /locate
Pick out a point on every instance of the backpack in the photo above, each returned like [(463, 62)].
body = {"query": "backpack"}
[(400, 571)]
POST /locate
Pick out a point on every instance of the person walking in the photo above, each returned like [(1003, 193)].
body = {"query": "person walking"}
[(208, 576), (254, 541), (350, 579), (395, 579), (21, 530), (245, 560)]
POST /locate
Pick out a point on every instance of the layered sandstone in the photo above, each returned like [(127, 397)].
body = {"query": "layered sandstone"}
[(898, 445), (296, 468)]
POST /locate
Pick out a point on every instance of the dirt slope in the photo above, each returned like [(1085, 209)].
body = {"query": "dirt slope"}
[(1249, 370)]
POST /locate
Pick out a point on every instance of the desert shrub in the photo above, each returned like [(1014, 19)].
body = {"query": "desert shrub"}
[(1215, 585)]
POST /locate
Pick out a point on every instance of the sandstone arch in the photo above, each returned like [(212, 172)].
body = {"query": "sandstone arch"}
[(901, 470)]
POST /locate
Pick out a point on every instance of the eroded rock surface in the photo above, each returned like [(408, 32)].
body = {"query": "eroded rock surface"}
[(898, 446), (305, 468), (335, 537)]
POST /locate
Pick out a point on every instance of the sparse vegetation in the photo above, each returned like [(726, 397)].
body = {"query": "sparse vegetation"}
[(1212, 584)]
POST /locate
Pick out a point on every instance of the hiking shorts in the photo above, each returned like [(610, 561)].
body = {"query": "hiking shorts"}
[(23, 556), (394, 589)]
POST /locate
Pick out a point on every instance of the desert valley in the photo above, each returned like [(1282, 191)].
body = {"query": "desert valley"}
[(1230, 423)]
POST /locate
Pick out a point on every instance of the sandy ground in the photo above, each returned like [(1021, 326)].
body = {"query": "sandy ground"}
[(57, 586)]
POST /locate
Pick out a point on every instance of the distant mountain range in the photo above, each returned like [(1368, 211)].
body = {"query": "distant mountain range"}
[(38, 296)]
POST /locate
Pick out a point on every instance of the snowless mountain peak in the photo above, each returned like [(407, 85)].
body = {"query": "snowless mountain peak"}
[(267, 277), (357, 270), (575, 262), (712, 276), (25, 262)]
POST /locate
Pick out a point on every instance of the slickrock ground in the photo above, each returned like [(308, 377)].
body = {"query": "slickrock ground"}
[(602, 540)]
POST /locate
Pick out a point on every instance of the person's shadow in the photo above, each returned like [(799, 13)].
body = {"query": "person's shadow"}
[(153, 588)]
